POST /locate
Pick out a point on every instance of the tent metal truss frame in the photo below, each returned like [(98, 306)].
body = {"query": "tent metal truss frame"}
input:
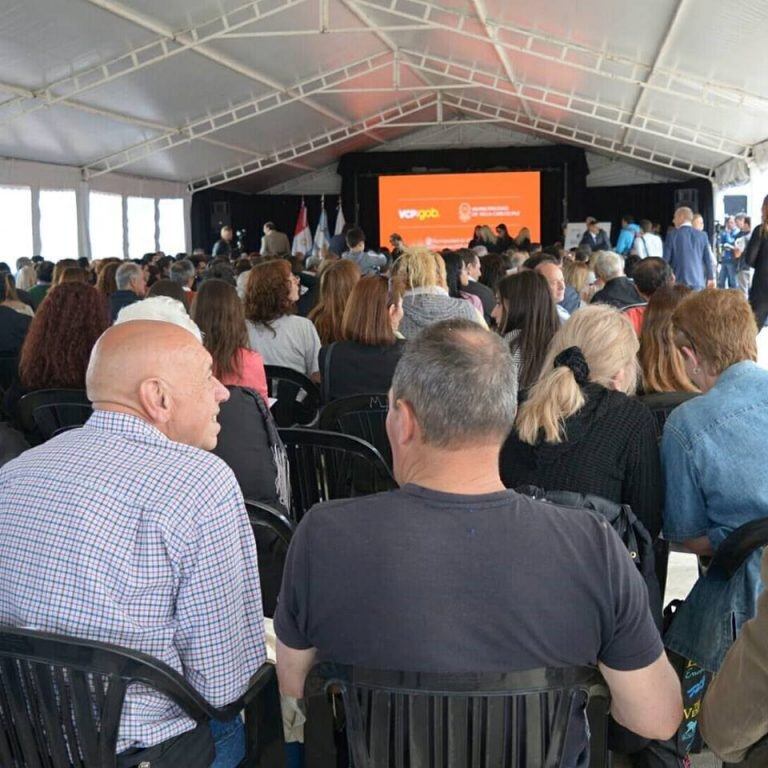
[(502, 37), (381, 119)]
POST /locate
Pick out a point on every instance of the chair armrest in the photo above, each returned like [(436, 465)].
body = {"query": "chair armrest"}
[(739, 545), (267, 516)]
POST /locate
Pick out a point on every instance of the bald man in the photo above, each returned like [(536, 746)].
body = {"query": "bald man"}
[(128, 531), (688, 252)]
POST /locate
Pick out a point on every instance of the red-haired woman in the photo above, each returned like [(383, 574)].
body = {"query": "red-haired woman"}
[(279, 336), (58, 345)]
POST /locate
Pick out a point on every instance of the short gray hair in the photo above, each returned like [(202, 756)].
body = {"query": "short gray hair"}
[(461, 382), (608, 265), (162, 309), (182, 271), (125, 274)]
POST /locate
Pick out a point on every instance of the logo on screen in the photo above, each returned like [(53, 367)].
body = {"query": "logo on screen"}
[(421, 214), (465, 212)]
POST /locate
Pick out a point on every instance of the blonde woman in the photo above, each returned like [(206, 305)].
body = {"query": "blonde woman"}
[(421, 276), (580, 430)]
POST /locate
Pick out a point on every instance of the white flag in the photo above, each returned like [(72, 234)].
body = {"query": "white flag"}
[(340, 222)]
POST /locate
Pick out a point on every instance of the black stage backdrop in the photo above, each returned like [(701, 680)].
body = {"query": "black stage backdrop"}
[(563, 180), (561, 167)]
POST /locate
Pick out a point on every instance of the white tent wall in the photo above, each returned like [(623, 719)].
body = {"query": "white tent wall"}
[(45, 176)]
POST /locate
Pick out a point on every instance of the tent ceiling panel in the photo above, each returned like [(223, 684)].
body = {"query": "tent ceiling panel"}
[(269, 131), (39, 45), (182, 14), (62, 132), (592, 24), (684, 80), (186, 161), (162, 92), (287, 59), (713, 39)]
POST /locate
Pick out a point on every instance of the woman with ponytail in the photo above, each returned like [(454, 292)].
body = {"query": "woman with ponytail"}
[(580, 430)]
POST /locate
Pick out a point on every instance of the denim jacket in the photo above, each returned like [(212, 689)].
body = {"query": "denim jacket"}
[(712, 454)]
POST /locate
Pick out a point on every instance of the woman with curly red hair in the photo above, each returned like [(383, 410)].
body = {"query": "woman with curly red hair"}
[(279, 336), (58, 345)]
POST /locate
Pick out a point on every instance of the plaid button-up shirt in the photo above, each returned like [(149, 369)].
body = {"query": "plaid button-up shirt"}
[(113, 532)]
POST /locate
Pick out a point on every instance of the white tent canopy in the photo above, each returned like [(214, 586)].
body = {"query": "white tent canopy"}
[(196, 93)]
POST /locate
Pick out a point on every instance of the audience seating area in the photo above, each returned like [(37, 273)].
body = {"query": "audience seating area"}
[(383, 384)]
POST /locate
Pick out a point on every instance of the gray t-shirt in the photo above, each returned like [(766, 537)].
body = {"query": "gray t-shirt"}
[(420, 580), (291, 342)]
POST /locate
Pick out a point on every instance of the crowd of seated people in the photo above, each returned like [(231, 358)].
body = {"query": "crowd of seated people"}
[(508, 367)]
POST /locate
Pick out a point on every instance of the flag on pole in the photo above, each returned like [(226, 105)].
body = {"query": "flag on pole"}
[(302, 236), (340, 222), (321, 233)]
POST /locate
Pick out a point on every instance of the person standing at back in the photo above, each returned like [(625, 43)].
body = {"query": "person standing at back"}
[(222, 248), (370, 263), (687, 251), (453, 573), (274, 242), (756, 257)]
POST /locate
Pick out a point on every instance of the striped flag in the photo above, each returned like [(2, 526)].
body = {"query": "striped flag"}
[(321, 233), (302, 236)]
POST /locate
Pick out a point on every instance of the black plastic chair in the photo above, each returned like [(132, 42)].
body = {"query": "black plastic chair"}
[(272, 531), (512, 719), (739, 545), (329, 465), (362, 416), (9, 369), (298, 398), (45, 413), (60, 694), (661, 404)]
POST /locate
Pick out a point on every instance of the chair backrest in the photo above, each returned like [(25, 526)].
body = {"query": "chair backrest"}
[(512, 719), (61, 698), (328, 465), (45, 413), (273, 532), (361, 416), (661, 404), (9, 368), (298, 398), (246, 444)]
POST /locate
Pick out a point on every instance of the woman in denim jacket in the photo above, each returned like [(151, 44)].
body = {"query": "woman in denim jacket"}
[(712, 456)]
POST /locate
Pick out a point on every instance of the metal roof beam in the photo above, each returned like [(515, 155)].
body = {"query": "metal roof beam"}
[(321, 141), (662, 49), (582, 106), (492, 32), (171, 43), (570, 135), (245, 110), (569, 54)]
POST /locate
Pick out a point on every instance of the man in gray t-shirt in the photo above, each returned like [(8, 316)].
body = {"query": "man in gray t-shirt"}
[(454, 573)]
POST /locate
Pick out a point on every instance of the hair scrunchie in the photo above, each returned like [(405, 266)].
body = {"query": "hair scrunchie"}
[(573, 358)]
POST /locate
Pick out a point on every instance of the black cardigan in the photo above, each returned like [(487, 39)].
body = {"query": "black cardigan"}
[(610, 450)]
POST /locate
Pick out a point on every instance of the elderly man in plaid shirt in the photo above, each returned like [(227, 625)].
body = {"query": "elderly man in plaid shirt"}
[(129, 531)]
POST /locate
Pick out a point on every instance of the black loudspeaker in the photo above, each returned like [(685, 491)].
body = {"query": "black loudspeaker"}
[(220, 216), (688, 197), (735, 204)]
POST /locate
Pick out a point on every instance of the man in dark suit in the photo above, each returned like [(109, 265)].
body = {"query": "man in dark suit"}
[(687, 251), (474, 286), (594, 238)]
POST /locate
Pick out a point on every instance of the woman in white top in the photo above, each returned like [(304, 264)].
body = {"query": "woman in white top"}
[(279, 336)]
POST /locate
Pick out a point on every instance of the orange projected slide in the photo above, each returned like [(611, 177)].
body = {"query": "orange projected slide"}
[(441, 210)]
